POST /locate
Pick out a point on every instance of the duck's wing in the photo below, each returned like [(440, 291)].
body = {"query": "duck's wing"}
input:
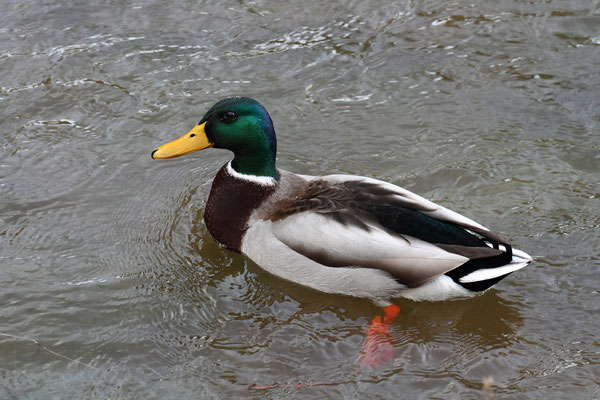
[(328, 241), (374, 191), (341, 220)]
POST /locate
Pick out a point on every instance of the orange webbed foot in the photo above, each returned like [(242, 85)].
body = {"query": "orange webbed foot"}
[(378, 348)]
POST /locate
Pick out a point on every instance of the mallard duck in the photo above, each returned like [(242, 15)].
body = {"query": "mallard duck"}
[(342, 234)]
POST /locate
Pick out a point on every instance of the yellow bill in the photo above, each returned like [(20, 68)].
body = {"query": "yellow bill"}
[(192, 141)]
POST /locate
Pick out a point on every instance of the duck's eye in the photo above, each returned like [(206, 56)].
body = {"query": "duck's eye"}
[(229, 116)]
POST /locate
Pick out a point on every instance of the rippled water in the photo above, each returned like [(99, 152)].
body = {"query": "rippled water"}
[(490, 109)]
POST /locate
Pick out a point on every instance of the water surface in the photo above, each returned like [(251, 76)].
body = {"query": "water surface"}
[(489, 108)]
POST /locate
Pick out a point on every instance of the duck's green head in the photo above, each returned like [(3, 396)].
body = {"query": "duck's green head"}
[(239, 124)]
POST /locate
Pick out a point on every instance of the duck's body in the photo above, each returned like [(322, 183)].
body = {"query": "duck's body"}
[(339, 234), (354, 235)]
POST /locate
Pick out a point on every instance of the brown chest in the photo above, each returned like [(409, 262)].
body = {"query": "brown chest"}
[(230, 204)]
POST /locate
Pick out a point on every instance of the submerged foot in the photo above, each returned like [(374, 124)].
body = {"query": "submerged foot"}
[(378, 348)]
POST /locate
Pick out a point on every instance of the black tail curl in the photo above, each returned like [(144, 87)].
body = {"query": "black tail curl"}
[(470, 266)]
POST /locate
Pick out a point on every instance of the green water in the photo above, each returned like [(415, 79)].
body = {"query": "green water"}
[(491, 109)]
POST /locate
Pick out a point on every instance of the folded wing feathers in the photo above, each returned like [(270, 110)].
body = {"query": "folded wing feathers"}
[(400, 197), (324, 240), (326, 235)]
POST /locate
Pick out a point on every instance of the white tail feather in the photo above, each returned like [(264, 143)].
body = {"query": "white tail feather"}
[(520, 259)]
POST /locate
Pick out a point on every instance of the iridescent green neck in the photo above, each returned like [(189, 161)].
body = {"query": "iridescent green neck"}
[(256, 163)]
